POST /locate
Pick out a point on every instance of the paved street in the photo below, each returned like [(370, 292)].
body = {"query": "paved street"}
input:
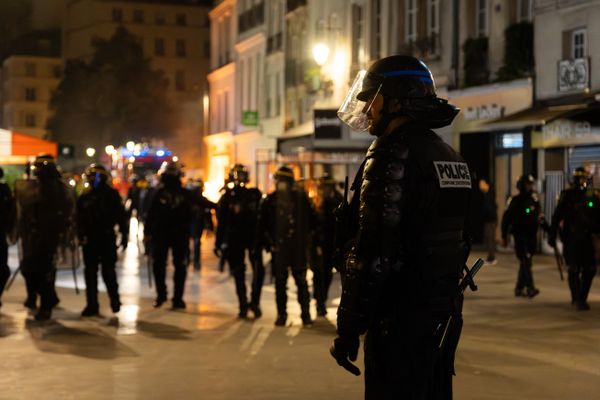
[(512, 348)]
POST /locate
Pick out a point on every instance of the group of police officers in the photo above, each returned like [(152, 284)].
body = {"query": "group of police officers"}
[(400, 244)]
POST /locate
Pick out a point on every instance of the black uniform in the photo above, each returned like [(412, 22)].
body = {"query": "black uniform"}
[(7, 218), (201, 219), (236, 218), (325, 239), (521, 219), (285, 224), (43, 223), (98, 211), (576, 219), (401, 277), (168, 226)]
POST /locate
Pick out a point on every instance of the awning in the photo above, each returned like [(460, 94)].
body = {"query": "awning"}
[(17, 148), (535, 116)]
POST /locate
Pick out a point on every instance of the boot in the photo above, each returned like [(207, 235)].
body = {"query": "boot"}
[(90, 311), (43, 314), (255, 308), (281, 320)]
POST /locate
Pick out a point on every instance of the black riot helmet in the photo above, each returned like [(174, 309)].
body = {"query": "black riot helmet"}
[(581, 178), (525, 183), (96, 175), (170, 172), (401, 77), (284, 174), (44, 167), (238, 174)]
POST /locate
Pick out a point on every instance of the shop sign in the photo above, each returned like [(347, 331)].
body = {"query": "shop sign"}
[(250, 118), (327, 124), (484, 112), (564, 132), (573, 74)]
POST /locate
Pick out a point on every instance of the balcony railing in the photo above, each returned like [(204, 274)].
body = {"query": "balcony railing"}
[(476, 61), (251, 18), (427, 47)]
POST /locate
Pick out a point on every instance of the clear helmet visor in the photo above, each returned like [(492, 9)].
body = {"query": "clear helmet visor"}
[(358, 101)]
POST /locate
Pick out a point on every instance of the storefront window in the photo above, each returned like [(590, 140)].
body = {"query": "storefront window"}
[(510, 141)]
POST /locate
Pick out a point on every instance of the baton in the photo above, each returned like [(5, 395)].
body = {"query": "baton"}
[(466, 282), (559, 262)]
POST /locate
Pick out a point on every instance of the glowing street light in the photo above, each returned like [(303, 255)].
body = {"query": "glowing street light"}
[(90, 151), (130, 146), (320, 53), (110, 149)]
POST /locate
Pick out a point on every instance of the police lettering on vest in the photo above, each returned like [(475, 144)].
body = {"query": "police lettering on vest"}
[(452, 174)]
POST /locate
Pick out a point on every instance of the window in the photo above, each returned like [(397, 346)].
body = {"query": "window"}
[(30, 69), (159, 47), (376, 36), (180, 80), (277, 94), (525, 10), (412, 12), (30, 94), (30, 120), (56, 71), (117, 15), (180, 48), (159, 19), (578, 44), (138, 16), (481, 17), (433, 17), (180, 19), (358, 23)]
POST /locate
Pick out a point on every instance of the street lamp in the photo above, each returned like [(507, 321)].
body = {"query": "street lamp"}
[(90, 151), (110, 149), (320, 53), (130, 146)]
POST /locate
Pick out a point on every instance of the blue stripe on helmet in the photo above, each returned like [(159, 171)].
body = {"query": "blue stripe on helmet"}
[(407, 72)]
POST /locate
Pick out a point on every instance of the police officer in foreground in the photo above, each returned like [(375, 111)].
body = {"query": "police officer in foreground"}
[(99, 209), (522, 219), (285, 223), (167, 226), (236, 217), (7, 219), (400, 282), (44, 220), (328, 199), (577, 219)]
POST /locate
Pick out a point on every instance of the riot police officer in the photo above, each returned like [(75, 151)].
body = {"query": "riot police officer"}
[(285, 224), (167, 226), (236, 217), (400, 281), (576, 219), (7, 218), (201, 218), (328, 199), (99, 209), (45, 216), (522, 219)]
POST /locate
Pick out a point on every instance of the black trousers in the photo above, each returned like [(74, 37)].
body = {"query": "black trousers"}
[(322, 277), (258, 277), (524, 249), (160, 249), (196, 247), (580, 281), (235, 256), (4, 269), (39, 272), (98, 252), (281, 271), (401, 365)]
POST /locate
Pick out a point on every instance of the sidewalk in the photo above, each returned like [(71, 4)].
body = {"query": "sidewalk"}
[(511, 347)]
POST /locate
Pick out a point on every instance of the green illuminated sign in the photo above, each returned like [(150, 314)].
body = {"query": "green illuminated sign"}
[(528, 210), (590, 204), (250, 118)]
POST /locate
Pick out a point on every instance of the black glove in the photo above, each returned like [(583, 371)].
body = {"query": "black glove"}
[(551, 241), (344, 350), (217, 251)]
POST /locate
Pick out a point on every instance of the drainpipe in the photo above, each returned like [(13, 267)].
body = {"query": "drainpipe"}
[(456, 41)]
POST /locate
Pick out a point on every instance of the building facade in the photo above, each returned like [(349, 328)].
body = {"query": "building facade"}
[(175, 37), (27, 86)]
